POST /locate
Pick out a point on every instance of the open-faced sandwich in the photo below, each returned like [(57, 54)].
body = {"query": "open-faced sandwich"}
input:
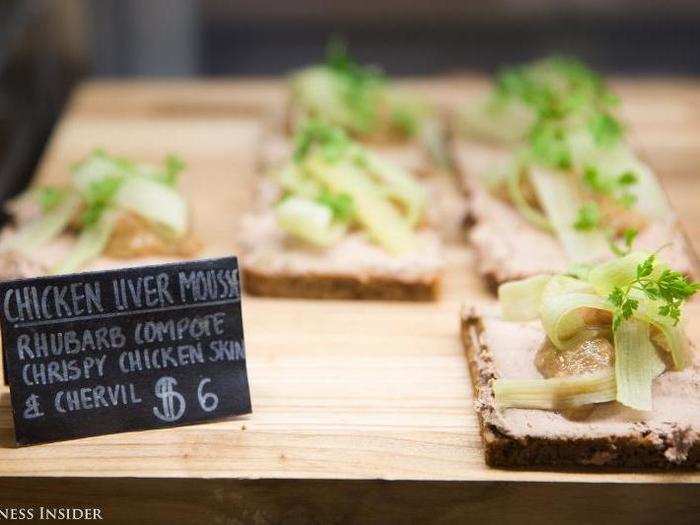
[(592, 369), (111, 213), (340, 221), (365, 104), (552, 180)]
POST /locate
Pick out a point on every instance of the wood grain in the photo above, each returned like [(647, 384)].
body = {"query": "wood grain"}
[(341, 390)]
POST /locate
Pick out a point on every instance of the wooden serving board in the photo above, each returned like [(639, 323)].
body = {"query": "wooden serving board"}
[(362, 410)]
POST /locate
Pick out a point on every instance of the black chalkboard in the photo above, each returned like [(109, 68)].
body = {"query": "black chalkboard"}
[(137, 348)]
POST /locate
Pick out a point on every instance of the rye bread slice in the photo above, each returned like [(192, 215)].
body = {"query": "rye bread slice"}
[(610, 436), (508, 247), (276, 266)]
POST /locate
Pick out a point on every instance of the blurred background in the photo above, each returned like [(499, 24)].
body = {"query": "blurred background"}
[(47, 47)]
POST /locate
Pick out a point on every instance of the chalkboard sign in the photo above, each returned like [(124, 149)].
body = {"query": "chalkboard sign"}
[(130, 349)]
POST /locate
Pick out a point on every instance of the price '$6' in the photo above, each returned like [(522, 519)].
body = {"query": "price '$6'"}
[(173, 404)]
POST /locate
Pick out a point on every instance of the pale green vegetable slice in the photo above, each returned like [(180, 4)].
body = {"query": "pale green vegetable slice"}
[(561, 202), (399, 185), (520, 300), (97, 167), (515, 193), (556, 392), (504, 121), (156, 202), (563, 298), (42, 229), (611, 163), (322, 93), (433, 136), (673, 339), (309, 221), (637, 363), (651, 199), (90, 244), (292, 180), (382, 221), (617, 272)]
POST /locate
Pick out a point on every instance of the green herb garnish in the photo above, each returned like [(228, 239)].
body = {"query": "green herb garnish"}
[(627, 178), (331, 140), (50, 197), (605, 129), (360, 84), (628, 238), (340, 204), (549, 145), (588, 217), (173, 166), (670, 288), (98, 196), (615, 187)]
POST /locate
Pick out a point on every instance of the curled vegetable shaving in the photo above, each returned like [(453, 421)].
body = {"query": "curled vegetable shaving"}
[(590, 186), (103, 189), (556, 393), (358, 99), (334, 184), (640, 300)]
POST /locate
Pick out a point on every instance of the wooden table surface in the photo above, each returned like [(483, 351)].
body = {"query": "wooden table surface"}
[(357, 393)]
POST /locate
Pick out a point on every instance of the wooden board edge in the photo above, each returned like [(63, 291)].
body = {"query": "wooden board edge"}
[(128, 500)]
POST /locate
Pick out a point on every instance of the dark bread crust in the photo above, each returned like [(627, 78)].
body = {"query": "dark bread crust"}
[(330, 286), (639, 449)]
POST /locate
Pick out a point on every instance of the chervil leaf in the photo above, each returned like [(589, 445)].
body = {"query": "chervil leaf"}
[(628, 200), (669, 288), (588, 217), (550, 146), (342, 204), (605, 129), (98, 197), (331, 140), (629, 235), (617, 296), (173, 166), (627, 178), (645, 268), (593, 179), (50, 197)]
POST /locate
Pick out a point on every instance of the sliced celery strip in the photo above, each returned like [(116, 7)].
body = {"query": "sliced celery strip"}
[(610, 163), (433, 136), (42, 229), (90, 244), (293, 181), (560, 310), (674, 339), (520, 202), (156, 202), (556, 392), (520, 300), (399, 185), (309, 221), (505, 122), (560, 200), (637, 363), (324, 94), (97, 167), (383, 222), (616, 272)]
